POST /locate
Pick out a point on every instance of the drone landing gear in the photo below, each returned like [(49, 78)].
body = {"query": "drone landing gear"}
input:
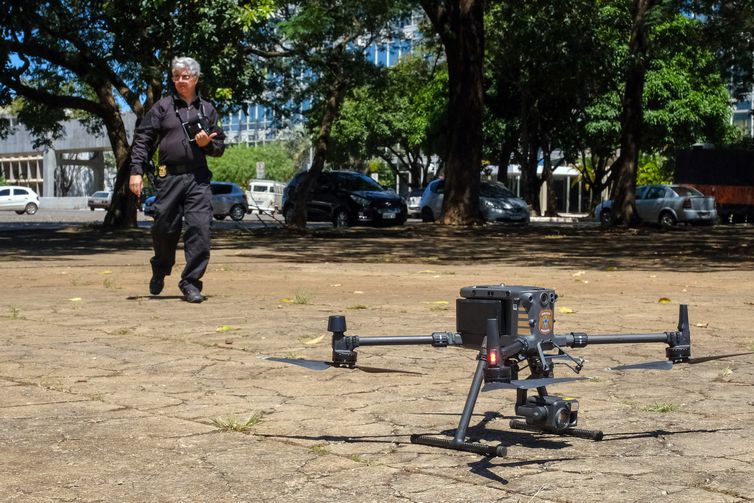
[(459, 442)]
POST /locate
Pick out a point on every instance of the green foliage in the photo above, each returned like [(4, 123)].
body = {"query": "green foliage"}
[(238, 164), (653, 168), (398, 118)]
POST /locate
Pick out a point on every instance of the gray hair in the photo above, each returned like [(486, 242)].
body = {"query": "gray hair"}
[(184, 63)]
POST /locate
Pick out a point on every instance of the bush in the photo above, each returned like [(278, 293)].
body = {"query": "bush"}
[(238, 163)]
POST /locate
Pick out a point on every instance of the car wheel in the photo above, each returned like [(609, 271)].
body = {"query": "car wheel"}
[(667, 220), (31, 208), (288, 215), (341, 219), (237, 213), (606, 218), (219, 217), (427, 215)]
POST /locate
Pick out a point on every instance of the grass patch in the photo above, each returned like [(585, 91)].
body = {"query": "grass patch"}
[(661, 407), (302, 298), (319, 449), (358, 306), (231, 423), (15, 313)]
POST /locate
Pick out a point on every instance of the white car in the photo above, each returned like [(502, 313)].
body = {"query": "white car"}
[(496, 203), (100, 199), (19, 199)]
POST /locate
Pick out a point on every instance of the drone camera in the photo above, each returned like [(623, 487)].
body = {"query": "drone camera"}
[(550, 413)]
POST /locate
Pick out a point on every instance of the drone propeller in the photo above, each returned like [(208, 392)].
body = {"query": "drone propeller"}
[(322, 365), (530, 383), (667, 364)]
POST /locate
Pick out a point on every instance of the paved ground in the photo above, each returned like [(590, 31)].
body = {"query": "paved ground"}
[(110, 395)]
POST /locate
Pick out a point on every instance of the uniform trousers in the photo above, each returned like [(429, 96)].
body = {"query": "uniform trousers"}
[(183, 200)]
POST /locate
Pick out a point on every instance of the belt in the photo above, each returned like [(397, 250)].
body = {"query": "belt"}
[(176, 169)]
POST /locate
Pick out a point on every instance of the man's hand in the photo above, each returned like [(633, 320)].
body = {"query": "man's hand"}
[(203, 139), (135, 183)]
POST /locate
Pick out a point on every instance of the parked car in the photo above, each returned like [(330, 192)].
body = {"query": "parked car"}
[(265, 195), (227, 199), (19, 199), (346, 198), (413, 199), (496, 202), (100, 199), (666, 205)]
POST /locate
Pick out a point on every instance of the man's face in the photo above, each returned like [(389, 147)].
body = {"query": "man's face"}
[(185, 83)]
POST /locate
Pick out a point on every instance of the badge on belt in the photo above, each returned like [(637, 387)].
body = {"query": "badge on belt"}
[(162, 171)]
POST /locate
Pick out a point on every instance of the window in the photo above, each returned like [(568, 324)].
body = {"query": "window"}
[(259, 188), (221, 189), (20, 192), (5, 192)]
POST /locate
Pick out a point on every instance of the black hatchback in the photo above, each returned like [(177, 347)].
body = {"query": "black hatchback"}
[(347, 198)]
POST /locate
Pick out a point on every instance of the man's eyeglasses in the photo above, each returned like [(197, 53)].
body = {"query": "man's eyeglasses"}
[(184, 76)]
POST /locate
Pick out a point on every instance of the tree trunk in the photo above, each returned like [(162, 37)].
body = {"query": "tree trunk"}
[(303, 191), (624, 186), (461, 29), (551, 210)]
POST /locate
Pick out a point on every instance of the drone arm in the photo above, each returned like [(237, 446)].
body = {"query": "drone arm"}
[(437, 339)]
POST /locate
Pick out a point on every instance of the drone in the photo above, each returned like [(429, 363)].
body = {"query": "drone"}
[(512, 328)]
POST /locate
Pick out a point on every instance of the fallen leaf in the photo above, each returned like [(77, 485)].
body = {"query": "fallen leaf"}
[(286, 299), (580, 273), (315, 340), (612, 268), (228, 341), (75, 299), (701, 325), (357, 291), (107, 271), (225, 328), (565, 310), (336, 285), (664, 300)]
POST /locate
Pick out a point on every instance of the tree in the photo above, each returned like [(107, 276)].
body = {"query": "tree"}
[(399, 119), (238, 163), (316, 54), (460, 26), (88, 59)]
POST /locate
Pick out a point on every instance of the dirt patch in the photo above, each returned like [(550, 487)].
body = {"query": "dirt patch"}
[(112, 395)]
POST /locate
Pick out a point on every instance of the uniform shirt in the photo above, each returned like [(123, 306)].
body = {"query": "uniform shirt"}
[(162, 124)]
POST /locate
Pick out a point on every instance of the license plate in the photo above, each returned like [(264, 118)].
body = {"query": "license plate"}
[(387, 215)]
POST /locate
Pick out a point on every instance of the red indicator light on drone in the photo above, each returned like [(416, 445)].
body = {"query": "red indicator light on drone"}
[(492, 358)]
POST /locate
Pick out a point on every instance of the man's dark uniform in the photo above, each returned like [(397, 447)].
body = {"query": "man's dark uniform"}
[(182, 183)]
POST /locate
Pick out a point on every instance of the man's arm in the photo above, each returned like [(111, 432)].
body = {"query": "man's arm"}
[(145, 136)]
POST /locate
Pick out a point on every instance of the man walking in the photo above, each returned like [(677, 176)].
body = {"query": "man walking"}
[(183, 126)]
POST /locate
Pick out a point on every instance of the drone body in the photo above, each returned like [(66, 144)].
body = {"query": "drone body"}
[(513, 329)]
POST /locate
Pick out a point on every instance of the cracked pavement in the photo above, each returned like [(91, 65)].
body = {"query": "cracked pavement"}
[(110, 395)]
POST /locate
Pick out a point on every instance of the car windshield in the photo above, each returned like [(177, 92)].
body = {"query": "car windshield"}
[(494, 190), (687, 191), (359, 182)]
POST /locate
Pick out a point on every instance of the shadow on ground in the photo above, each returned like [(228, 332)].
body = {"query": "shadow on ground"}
[(685, 248)]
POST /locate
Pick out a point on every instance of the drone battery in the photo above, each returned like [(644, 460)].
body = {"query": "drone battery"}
[(519, 310)]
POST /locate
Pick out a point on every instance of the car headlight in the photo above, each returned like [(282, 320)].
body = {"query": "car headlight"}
[(361, 201)]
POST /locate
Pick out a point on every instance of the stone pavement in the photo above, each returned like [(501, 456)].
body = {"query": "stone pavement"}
[(109, 395)]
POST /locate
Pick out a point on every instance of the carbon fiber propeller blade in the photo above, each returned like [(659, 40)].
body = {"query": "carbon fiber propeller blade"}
[(656, 365), (667, 364), (307, 364), (530, 383), (320, 365)]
